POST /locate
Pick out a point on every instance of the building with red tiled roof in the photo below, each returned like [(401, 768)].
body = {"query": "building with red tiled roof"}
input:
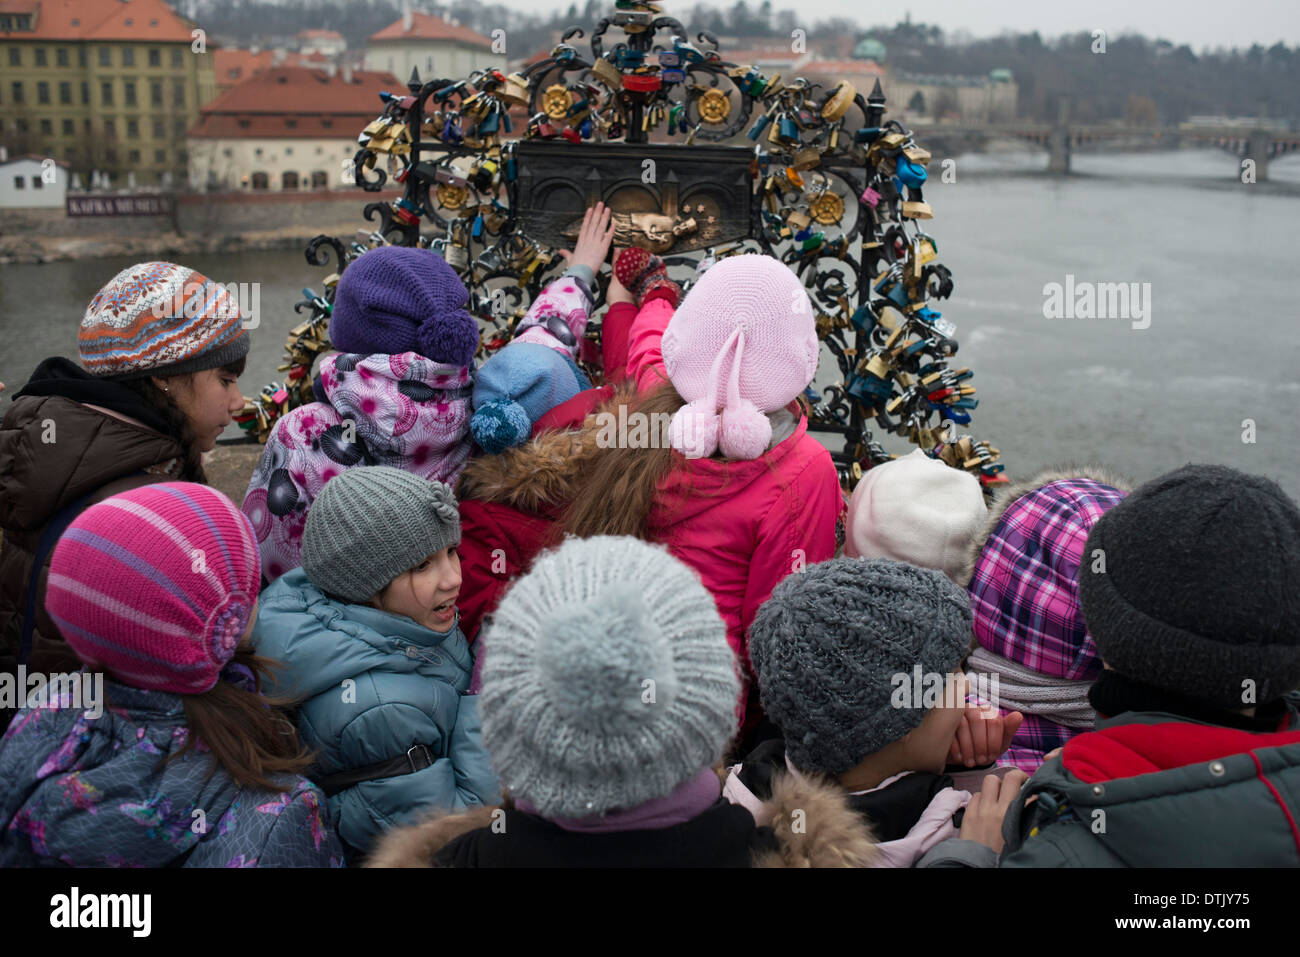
[(232, 66), (285, 128), (104, 85), (328, 43), (434, 46)]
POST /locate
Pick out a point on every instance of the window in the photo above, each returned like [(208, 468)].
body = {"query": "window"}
[(133, 128), (227, 152), (260, 181), (18, 92), (40, 56), (319, 150), (38, 183), (61, 56), (155, 56), (85, 93), (21, 123), (178, 93), (69, 128), (160, 157), (110, 155), (182, 156), (328, 124), (258, 152), (70, 153), (289, 180), (128, 53), (106, 93), (47, 127), (320, 179), (178, 58), (65, 94), (110, 128), (19, 183), (291, 124), (159, 129), (85, 125), (128, 92), (81, 54), (105, 56), (15, 56), (245, 124), (178, 127), (42, 92), (155, 94), (133, 156)]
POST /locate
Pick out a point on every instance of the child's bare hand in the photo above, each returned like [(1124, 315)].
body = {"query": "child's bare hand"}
[(593, 239), (982, 821), (982, 735)]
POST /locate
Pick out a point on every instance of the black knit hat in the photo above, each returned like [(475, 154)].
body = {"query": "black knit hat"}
[(1192, 584)]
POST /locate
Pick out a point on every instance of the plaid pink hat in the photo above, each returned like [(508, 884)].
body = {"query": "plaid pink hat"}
[(1024, 590), (742, 343), (156, 586)]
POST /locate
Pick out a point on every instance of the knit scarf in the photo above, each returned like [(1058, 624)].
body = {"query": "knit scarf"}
[(1023, 689)]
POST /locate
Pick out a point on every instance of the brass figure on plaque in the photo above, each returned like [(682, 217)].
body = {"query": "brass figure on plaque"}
[(656, 232)]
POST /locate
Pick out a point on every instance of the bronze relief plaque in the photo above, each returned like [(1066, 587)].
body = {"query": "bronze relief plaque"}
[(681, 200)]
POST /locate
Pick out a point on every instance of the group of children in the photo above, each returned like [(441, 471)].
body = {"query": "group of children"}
[(454, 625)]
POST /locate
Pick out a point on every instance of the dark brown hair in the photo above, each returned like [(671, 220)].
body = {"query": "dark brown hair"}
[(251, 737), (178, 423)]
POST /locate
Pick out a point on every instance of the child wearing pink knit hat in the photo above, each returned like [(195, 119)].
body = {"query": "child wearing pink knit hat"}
[(736, 487), (185, 764)]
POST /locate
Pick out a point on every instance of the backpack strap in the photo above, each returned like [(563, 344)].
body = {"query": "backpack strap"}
[(417, 758)]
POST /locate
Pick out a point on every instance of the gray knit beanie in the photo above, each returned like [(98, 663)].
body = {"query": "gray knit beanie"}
[(371, 524), (607, 678), (830, 644), (1192, 584)]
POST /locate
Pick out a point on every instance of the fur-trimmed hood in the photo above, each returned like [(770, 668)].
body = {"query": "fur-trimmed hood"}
[(1004, 497), (541, 474), (812, 823)]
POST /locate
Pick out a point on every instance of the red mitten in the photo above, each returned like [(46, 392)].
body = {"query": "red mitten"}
[(645, 276)]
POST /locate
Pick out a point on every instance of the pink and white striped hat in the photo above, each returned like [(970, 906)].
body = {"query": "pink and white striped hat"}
[(156, 586)]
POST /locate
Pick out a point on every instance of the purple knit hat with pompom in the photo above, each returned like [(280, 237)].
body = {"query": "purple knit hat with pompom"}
[(397, 299)]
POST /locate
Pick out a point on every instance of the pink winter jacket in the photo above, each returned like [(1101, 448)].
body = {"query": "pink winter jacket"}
[(742, 525)]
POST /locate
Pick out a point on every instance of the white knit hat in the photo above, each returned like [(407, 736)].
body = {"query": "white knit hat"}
[(917, 510)]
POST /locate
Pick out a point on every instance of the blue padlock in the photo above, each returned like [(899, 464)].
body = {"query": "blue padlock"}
[(585, 129), (451, 133), (789, 130), (863, 319), (911, 174), (477, 229), (759, 126)]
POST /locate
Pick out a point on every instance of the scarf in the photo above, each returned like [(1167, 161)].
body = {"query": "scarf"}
[(1023, 689)]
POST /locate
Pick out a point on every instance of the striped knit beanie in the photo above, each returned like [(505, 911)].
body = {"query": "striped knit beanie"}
[(156, 586), (159, 318)]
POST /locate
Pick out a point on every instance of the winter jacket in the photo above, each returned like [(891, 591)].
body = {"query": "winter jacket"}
[(810, 826), (86, 791), (376, 685), (403, 410), (908, 813), (1150, 789), (66, 435)]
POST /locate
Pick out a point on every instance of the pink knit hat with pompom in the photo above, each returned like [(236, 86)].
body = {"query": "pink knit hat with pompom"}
[(743, 343), (156, 586)]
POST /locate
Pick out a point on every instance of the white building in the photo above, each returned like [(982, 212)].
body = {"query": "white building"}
[(33, 182), (285, 128), (328, 43), (434, 46)]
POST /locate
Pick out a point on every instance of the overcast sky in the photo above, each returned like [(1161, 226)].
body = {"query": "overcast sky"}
[(1200, 23)]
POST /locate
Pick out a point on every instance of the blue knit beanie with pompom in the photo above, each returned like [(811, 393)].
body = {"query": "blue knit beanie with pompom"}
[(517, 386)]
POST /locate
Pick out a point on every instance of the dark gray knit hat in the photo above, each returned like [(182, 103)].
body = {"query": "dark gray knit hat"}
[(607, 678), (371, 524), (1192, 584), (831, 643)]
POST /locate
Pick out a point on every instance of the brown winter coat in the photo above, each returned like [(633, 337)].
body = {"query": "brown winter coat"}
[(811, 821), (54, 450)]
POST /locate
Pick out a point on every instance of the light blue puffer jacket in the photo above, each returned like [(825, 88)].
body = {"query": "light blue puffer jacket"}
[(376, 684)]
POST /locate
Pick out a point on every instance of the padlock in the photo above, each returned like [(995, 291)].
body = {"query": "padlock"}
[(798, 219), (838, 103), (917, 210), (607, 73), (806, 158), (515, 90), (870, 197)]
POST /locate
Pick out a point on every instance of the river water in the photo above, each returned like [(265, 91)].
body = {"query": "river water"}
[(1221, 347)]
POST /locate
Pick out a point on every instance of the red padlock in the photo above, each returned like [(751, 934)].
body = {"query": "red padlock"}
[(570, 134), (406, 102), (642, 82)]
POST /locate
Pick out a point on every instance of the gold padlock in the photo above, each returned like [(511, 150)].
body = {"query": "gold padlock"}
[(917, 210), (806, 158), (890, 318), (926, 252), (798, 219), (607, 73), (839, 102), (515, 90), (878, 366), (917, 155)]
